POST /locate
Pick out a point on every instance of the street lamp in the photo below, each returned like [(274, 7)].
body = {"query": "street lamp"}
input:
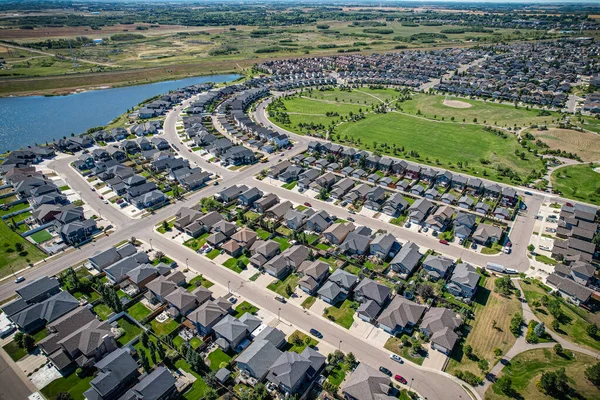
[(279, 314), (186, 262), (229, 287), (151, 248), (410, 386), (340, 346)]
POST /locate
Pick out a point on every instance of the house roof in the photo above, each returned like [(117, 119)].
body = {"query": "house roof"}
[(373, 290), (466, 275), (114, 368), (231, 328), (38, 287), (441, 322), (367, 383), (343, 278), (401, 312), (154, 385), (207, 314), (289, 369), (181, 298), (260, 356), (369, 308)]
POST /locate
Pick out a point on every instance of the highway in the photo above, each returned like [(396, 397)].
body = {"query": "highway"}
[(438, 386)]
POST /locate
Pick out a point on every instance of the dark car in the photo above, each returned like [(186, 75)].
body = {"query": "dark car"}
[(316, 333), (385, 371)]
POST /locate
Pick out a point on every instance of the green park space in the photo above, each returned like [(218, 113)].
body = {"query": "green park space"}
[(15, 251), (525, 370), (578, 182)]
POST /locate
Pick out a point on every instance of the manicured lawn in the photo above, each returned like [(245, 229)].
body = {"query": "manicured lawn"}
[(138, 311), (204, 282), (102, 311), (90, 295), (9, 255), (72, 384), (251, 216), (342, 314), (311, 238), (232, 263), (300, 347), (284, 231), (195, 342), (14, 351), (526, 368), (217, 357), (394, 345), (195, 244), (290, 186), (284, 243), (261, 233), (308, 302), (198, 388), (489, 306), (323, 246), (41, 236), (164, 328), (245, 307), (170, 225), (279, 286), (575, 321), (39, 335), (578, 182), (213, 253), (544, 259), (130, 328)]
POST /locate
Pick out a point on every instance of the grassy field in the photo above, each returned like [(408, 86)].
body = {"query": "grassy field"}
[(526, 368), (72, 384), (342, 314), (9, 257), (437, 143), (482, 336), (576, 320), (578, 182), (585, 144)]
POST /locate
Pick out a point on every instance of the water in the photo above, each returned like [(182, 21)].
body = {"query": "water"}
[(37, 119)]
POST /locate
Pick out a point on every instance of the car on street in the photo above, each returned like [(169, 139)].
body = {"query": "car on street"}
[(426, 229), (350, 219), (400, 379), (105, 201), (19, 279), (101, 197), (280, 299), (396, 358), (443, 241), (529, 193), (316, 333), (407, 225), (351, 211), (385, 371), (307, 204), (93, 189), (473, 245)]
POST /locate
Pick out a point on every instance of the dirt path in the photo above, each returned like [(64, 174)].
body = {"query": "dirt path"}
[(372, 95)]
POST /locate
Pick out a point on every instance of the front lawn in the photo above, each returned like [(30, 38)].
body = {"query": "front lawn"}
[(192, 284), (343, 314), (232, 263), (72, 384), (130, 328), (574, 320), (308, 302), (163, 328), (138, 311), (14, 351), (197, 243), (279, 286), (216, 358), (526, 368), (290, 186), (102, 311), (298, 346), (198, 388), (545, 259), (213, 253), (245, 307), (394, 345)]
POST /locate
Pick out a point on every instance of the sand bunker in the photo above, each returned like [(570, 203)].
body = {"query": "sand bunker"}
[(457, 104)]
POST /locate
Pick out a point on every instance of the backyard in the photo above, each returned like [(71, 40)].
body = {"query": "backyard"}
[(163, 328), (216, 358), (130, 328), (198, 388), (102, 311), (72, 384), (138, 311)]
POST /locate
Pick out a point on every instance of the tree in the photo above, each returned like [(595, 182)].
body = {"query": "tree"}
[(240, 264), (351, 360), (539, 330), (28, 342), (468, 351), (288, 290), (592, 373), (144, 339), (592, 330), (425, 291), (416, 347), (553, 383), (19, 339), (555, 324), (503, 285), (558, 349), (483, 365), (64, 396), (165, 225), (504, 384), (211, 394), (144, 361), (19, 247), (531, 248)]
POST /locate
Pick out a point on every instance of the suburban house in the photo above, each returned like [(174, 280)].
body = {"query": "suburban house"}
[(367, 383), (487, 234), (313, 274), (464, 281), (400, 315), (292, 372), (337, 232), (290, 259), (116, 372), (381, 245), (419, 210), (406, 260), (437, 267), (206, 317), (439, 325), (337, 287)]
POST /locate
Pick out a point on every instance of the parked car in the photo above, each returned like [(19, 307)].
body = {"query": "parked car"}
[(400, 379), (350, 219), (233, 299), (19, 279), (529, 193), (443, 241), (316, 333), (307, 204), (280, 299), (93, 189), (396, 358), (426, 229), (385, 371), (407, 225)]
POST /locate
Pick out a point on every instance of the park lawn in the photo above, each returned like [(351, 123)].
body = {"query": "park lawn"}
[(245, 307), (356, 96), (14, 351), (191, 286), (73, 384), (130, 328), (504, 115), (337, 375), (102, 311), (489, 306), (578, 182), (213, 253), (343, 314), (261, 233), (308, 302), (41, 236), (526, 368), (216, 358), (164, 328), (10, 257), (300, 348), (578, 319), (279, 286), (138, 311), (198, 388), (232, 263)]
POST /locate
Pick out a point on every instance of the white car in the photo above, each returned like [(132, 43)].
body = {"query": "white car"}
[(396, 358)]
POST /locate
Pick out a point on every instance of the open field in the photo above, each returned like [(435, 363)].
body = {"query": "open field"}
[(482, 336), (526, 368), (9, 257), (578, 182), (448, 143), (574, 322), (585, 144), (503, 115)]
